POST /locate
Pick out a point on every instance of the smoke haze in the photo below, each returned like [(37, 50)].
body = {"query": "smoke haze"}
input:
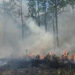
[(37, 40)]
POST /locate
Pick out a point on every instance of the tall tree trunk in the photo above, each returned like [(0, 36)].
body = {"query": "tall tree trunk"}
[(53, 21), (38, 13), (22, 21), (45, 17), (73, 9), (35, 10), (56, 23)]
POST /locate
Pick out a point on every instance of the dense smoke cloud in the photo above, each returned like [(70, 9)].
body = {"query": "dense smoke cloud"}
[(67, 29), (36, 39)]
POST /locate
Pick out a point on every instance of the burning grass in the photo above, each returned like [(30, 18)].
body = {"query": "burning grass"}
[(46, 65)]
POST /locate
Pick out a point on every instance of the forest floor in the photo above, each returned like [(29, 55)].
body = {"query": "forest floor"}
[(38, 71)]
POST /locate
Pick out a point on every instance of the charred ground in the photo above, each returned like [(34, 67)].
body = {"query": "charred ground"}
[(49, 65)]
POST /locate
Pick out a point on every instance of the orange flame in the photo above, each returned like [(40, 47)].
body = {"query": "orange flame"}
[(30, 55), (65, 53), (74, 57), (70, 57), (42, 56), (51, 54)]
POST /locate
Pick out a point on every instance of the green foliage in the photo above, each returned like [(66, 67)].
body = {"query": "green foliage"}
[(32, 7), (38, 57), (59, 72), (49, 4), (47, 57), (70, 72), (45, 73), (71, 2), (62, 3)]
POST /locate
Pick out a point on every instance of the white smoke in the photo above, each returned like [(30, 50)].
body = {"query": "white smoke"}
[(36, 40), (67, 29)]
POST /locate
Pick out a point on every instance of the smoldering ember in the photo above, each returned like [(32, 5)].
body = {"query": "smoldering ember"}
[(37, 37)]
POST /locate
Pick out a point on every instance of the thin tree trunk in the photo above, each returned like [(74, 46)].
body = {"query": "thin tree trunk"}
[(73, 9), (56, 22), (54, 30), (38, 13), (45, 18), (22, 21)]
